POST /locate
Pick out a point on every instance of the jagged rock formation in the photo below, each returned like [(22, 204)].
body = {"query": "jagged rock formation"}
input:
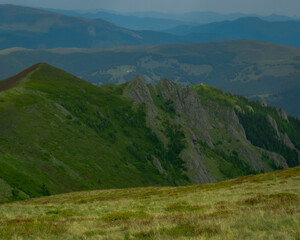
[(282, 136), (216, 126), (185, 103)]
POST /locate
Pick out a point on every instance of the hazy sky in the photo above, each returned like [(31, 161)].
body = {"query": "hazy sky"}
[(263, 7)]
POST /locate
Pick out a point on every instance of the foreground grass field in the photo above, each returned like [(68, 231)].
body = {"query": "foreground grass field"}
[(265, 206)]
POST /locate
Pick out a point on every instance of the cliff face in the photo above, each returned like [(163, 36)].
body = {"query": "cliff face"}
[(216, 143)]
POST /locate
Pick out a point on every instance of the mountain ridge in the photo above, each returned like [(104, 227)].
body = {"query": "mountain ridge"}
[(132, 135), (41, 29), (13, 81), (23, 21), (192, 18), (281, 32)]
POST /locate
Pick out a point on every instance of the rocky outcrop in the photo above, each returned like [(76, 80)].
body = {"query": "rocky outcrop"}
[(282, 114), (194, 159), (187, 103), (139, 92), (212, 124), (278, 160), (281, 136), (191, 116), (158, 165)]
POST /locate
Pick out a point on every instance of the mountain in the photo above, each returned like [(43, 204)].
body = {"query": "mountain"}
[(279, 18), (195, 17), (236, 209), (33, 28), (257, 70), (40, 29), (284, 32), (126, 21), (61, 134)]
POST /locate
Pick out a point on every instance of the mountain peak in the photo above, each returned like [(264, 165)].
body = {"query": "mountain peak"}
[(137, 79), (46, 77), (138, 91), (13, 81)]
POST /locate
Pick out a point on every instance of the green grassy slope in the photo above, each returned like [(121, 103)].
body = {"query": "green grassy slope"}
[(258, 70), (59, 134), (265, 206)]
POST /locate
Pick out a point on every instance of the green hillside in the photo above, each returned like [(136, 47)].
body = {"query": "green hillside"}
[(265, 206), (257, 70), (66, 134), (59, 134)]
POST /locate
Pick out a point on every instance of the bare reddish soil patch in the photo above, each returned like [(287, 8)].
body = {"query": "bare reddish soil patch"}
[(14, 80)]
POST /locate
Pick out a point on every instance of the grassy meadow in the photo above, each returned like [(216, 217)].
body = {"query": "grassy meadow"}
[(265, 206)]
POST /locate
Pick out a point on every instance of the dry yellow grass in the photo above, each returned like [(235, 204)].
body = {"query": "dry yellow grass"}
[(265, 206)]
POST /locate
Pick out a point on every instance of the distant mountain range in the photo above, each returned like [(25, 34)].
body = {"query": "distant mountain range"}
[(161, 21), (40, 29), (127, 21), (59, 134), (258, 70), (285, 32), (210, 17)]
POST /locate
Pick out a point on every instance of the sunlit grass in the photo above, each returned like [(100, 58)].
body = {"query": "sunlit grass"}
[(265, 206)]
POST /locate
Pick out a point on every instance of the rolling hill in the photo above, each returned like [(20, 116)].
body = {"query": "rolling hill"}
[(257, 70), (265, 206), (61, 134)]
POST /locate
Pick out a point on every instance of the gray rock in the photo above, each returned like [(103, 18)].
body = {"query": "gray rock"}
[(158, 165), (281, 136), (209, 124), (282, 114), (139, 92)]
